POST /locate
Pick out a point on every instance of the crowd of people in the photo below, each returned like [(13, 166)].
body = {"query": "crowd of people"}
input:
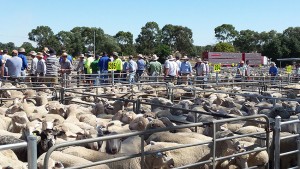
[(47, 67)]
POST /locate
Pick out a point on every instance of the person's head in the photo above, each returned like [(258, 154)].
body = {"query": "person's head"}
[(199, 60), (64, 56), (14, 53), (39, 55), (104, 54), (242, 63), (272, 64), (140, 56), (5, 51), (154, 57), (184, 58), (177, 57), (46, 51), (81, 57), (89, 54), (123, 59), (33, 54), (130, 57), (115, 55), (171, 58), (247, 62), (1, 52), (97, 57), (52, 51), (21, 51)]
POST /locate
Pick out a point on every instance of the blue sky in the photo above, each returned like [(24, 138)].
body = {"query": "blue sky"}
[(202, 16)]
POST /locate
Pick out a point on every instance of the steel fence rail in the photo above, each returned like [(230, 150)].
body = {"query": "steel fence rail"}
[(143, 154)]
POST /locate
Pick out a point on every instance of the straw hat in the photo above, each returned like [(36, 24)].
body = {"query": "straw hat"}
[(39, 54), (199, 60), (22, 50), (64, 54), (81, 56), (115, 54), (170, 57), (140, 56), (154, 57), (184, 58), (33, 53)]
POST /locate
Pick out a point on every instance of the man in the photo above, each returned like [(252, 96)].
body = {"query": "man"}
[(45, 53), (178, 62), (52, 65), (273, 71), (41, 67), (1, 69), (171, 69), (103, 66), (155, 68), (141, 65), (95, 69), (14, 66), (241, 70), (80, 66), (24, 62), (185, 69), (119, 66), (247, 71), (66, 68), (33, 66), (124, 74), (5, 56), (201, 69), (87, 66), (131, 69), (69, 57)]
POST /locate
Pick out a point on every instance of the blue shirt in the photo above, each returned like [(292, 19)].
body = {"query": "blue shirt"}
[(141, 64), (103, 63), (14, 66), (185, 67), (273, 70), (69, 57), (24, 61)]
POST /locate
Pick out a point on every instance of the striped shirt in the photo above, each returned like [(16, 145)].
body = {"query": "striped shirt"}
[(41, 67), (52, 65), (131, 66)]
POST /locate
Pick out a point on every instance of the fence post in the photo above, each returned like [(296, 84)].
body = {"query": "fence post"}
[(277, 130), (214, 145), (142, 152), (217, 78), (138, 105), (32, 152), (113, 77), (78, 79), (62, 95), (64, 80)]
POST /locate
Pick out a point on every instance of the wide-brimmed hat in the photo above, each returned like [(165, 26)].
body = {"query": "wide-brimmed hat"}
[(154, 57), (140, 56), (115, 54), (199, 60), (33, 53), (81, 56), (170, 57), (64, 54), (184, 58), (39, 54), (21, 50)]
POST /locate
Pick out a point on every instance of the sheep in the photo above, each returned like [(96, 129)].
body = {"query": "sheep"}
[(67, 160), (138, 124), (8, 162)]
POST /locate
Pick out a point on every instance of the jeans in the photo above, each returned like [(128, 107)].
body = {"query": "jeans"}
[(104, 76), (96, 78), (23, 75), (131, 77)]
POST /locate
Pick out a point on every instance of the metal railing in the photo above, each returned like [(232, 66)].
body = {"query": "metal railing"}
[(142, 153), (277, 142), (31, 145)]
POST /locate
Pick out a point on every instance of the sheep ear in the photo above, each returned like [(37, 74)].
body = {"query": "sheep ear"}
[(59, 165), (152, 143)]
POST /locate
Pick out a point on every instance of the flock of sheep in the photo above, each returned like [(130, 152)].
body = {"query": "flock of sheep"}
[(32, 112)]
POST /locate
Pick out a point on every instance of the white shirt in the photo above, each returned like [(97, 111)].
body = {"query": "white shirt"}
[(173, 68), (33, 66), (178, 64)]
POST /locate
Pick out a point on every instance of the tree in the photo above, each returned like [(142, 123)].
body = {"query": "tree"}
[(178, 38), (9, 46), (247, 41), (163, 51), (28, 47), (148, 39), (125, 41), (291, 42), (43, 36), (110, 44), (225, 33), (224, 47)]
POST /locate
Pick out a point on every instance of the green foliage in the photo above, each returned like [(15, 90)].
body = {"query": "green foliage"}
[(247, 41), (28, 47), (148, 39), (178, 38), (9, 46), (125, 41), (44, 36), (163, 51), (224, 47), (226, 33)]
